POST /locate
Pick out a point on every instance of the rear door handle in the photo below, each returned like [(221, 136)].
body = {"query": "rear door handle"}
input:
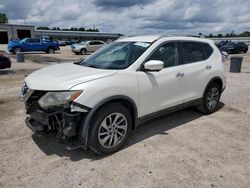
[(179, 74), (208, 67)]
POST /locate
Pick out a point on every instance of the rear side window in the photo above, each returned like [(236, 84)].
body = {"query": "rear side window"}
[(95, 43), (33, 40), (208, 50), (98, 43), (191, 52)]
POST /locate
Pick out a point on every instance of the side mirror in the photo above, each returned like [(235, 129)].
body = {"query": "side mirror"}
[(153, 65)]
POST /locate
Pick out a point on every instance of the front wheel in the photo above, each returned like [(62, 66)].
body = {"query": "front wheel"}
[(17, 50), (111, 127), (210, 99)]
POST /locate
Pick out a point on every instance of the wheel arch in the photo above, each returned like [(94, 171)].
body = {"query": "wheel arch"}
[(14, 47), (126, 101), (216, 80), (85, 49), (50, 47)]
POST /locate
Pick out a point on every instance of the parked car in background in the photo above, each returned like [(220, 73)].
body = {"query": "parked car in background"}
[(62, 43), (222, 43), (87, 46), (4, 60), (29, 44), (235, 48), (97, 102), (72, 42)]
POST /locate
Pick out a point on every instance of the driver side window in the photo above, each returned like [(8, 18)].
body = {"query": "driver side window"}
[(166, 53)]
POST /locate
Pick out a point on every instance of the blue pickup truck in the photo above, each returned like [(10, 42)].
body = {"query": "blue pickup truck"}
[(29, 44)]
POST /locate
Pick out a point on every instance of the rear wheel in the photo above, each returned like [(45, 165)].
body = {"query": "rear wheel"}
[(210, 99), (17, 50), (51, 50), (111, 127), (83, 51)]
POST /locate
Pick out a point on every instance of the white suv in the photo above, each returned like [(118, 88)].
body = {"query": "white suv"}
[(98, 101)]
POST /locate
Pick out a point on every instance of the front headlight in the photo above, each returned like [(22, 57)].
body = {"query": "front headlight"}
[(58, 98)]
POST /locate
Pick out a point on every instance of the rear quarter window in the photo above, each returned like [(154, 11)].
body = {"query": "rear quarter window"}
[(191, 52), (208, 50)]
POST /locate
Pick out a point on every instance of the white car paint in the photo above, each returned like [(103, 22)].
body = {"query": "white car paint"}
[(150, 91)]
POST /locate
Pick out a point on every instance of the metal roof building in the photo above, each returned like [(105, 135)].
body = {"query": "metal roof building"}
[(10, 31)]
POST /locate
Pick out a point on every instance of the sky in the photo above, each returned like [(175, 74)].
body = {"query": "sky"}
[(131, 17)]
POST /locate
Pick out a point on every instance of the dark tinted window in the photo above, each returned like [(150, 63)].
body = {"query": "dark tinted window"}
[(191, 52), (208, 50), (98, 43), (95, 43), (166, 53), (33, 40)]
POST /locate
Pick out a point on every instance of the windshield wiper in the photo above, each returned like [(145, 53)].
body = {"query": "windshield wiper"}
[(93, 66)]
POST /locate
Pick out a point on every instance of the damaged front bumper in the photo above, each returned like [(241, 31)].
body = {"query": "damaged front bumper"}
[(65, 121)]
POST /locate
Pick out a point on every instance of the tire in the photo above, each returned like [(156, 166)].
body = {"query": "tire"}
[(104, 138), (16, 50), (210, 99), (83, 51), (51, 50)]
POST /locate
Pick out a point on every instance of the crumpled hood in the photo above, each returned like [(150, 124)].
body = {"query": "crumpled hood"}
[(64, 76)]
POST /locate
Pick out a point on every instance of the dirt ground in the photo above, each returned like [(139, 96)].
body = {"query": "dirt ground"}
[(182, 149)]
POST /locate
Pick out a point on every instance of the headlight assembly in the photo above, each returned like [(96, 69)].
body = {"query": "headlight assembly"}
[(58, 98)]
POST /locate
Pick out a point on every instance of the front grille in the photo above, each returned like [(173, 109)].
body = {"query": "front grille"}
[(34, 97)]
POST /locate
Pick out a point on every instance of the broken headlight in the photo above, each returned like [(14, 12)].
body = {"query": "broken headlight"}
[(58, 98)]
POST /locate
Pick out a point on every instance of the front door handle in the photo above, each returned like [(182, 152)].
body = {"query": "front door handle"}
[(179, 74), (208, 67)]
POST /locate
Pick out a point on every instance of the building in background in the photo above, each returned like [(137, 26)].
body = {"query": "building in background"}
[(14, 31)]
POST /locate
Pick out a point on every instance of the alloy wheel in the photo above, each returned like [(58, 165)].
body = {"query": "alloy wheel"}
[(212, 98), (112, 130)]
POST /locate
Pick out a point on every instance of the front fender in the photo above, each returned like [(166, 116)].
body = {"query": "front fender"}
[(87, 121)]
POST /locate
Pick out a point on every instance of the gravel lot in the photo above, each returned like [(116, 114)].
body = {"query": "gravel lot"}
[(182, 149)]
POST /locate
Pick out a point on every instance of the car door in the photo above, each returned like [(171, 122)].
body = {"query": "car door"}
[(95, 45), (37, 45), (91, 46), (27, 45), (32, 45), (163, 89), (196, 68), (98, 44)]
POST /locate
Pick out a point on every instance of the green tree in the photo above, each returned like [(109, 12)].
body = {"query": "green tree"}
[(56, 28), (3, 18), (43, 28), (219, 35), (81, 29), (210, 35)]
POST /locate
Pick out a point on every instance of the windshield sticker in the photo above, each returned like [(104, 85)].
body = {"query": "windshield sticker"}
[(143, 44)]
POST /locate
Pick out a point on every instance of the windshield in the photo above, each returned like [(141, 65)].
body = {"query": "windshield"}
[(117, 55)]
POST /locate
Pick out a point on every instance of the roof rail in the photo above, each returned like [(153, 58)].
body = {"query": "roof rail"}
[(181, 35)]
